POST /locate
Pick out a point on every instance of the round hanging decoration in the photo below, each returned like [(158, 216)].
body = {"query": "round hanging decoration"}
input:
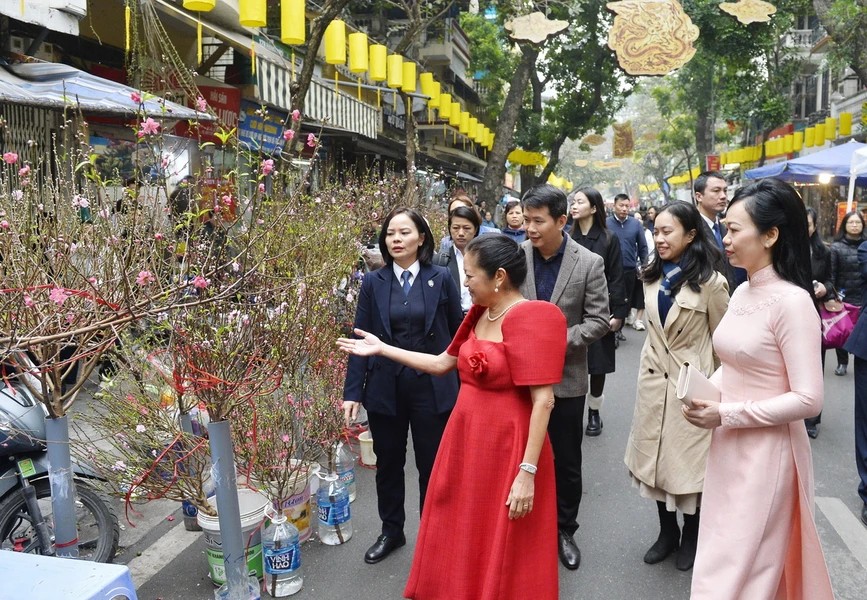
[(651, 37), (252, 13), (534, 28), (358, 53), (749, 11), (335, 43), (292, 23), (395, 71), (200, 5), (378, 60), (409, 78)]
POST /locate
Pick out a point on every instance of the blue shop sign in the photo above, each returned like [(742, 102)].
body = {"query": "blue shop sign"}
[(261, 129)]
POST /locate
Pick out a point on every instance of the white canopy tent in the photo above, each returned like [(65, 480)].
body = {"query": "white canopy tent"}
[(857, 168)]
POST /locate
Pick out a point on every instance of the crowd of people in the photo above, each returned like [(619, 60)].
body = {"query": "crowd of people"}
[(488, 349)]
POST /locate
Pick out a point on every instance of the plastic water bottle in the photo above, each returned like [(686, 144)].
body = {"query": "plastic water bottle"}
[(281, 553), (344, 464), (335, 521)]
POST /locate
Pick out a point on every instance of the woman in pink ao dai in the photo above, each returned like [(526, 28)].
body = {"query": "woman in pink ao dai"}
[(757, 538)]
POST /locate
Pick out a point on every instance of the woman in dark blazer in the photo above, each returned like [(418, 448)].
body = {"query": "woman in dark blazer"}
[(857, 345), (411, 304), (589, 230), (464, 225), (820, 268)]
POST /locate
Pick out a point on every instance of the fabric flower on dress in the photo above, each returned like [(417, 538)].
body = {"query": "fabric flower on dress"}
[(478, 363)]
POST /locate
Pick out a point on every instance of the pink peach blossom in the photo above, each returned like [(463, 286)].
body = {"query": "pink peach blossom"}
[(296, 115), (201, 104), (10, 158), (58, 295), (28, 301), (135, 97), (145, 277), (148, 127), (200, 282), (4, 224), (267, 166), (311, 140), (24, 171), (288, 135)]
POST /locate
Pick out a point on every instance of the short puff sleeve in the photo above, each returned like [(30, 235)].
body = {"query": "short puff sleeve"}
[(464, 330), (534, 338)]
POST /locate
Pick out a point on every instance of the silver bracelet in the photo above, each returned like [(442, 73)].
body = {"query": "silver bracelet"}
[(528, 467)]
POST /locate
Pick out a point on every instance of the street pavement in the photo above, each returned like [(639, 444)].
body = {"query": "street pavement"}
[(617, 525)]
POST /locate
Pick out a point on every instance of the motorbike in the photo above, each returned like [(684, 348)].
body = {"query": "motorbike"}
[(25, 495)]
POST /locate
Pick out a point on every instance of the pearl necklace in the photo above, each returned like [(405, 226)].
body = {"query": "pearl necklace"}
[(505, 310)]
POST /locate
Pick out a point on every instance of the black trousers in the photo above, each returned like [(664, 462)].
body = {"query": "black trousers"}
[(566, 432), (861, 425), (415, 409)]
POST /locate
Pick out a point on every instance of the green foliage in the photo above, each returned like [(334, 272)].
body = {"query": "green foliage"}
[(491, 58)]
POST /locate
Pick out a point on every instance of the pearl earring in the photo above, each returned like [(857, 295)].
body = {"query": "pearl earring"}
[(497, 288)]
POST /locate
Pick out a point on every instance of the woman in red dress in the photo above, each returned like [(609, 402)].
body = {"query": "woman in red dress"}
[(493, 479)]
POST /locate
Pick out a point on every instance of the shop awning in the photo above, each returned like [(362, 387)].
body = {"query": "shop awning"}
[(58, 86)]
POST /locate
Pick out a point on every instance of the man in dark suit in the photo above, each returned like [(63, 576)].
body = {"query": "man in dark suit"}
[(561, 271), (857, 345), (412, 304), (711, 198)]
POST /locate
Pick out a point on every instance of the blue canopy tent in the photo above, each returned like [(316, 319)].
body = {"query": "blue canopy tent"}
[(836, 161)]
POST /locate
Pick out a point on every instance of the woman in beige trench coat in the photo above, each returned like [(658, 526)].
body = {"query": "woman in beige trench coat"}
[(685, 300)]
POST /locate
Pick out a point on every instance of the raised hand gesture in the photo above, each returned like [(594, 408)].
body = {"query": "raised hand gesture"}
[(368, 345)]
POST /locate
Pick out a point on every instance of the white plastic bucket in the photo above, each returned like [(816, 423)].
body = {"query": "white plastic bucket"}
[(252, 507), (297, 508), (365, 440)]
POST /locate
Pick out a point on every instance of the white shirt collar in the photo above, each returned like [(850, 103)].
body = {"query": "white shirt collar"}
[(413, 271), (710, 222)]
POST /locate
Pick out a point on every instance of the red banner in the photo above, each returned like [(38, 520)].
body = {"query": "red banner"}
[(226, 103), (712, 162)]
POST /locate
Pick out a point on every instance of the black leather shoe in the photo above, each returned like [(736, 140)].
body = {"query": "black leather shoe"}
[(813, 430), (569, 553), (662, 549), (864, 515), (384, 545), (594, 423), (840, 370)]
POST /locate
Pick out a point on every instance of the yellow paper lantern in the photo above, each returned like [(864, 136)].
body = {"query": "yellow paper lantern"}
[(335, 43), (409, 83), (481, 134), (845, 124), (292, 22), (830, 128), (200, 5), (788, 143), (378, 60), (797, 141), (491, 136), (358, 54), (769, 148), (810, 137), (455, 114), (820, 134), (464, 126), (426, 80), (445, 106), (252, 13), (395, 71), (434, 101), (472, 127)]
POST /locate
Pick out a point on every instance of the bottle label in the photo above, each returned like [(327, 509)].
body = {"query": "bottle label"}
[(334, 513), (347, 478), (282, 561)]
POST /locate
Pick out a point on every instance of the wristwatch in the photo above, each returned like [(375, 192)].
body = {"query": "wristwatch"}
[(529, 468)]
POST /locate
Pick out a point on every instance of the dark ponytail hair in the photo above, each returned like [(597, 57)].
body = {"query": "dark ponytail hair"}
[(699, 259), (494, 251), (817, 245), (773, 203)]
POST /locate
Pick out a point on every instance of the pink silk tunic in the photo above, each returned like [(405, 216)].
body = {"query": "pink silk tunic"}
[(757, 539)]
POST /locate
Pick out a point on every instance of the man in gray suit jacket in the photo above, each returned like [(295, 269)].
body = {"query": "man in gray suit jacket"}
[(561, 271)]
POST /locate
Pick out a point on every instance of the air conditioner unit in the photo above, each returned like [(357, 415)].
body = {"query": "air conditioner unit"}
[(77, 8)]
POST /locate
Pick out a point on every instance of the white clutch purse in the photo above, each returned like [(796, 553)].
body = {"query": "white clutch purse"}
[(692, 384)]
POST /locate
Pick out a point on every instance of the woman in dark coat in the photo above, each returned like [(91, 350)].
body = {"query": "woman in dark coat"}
[(589, 230), (845, 274), (414, 305), (820, 267)]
